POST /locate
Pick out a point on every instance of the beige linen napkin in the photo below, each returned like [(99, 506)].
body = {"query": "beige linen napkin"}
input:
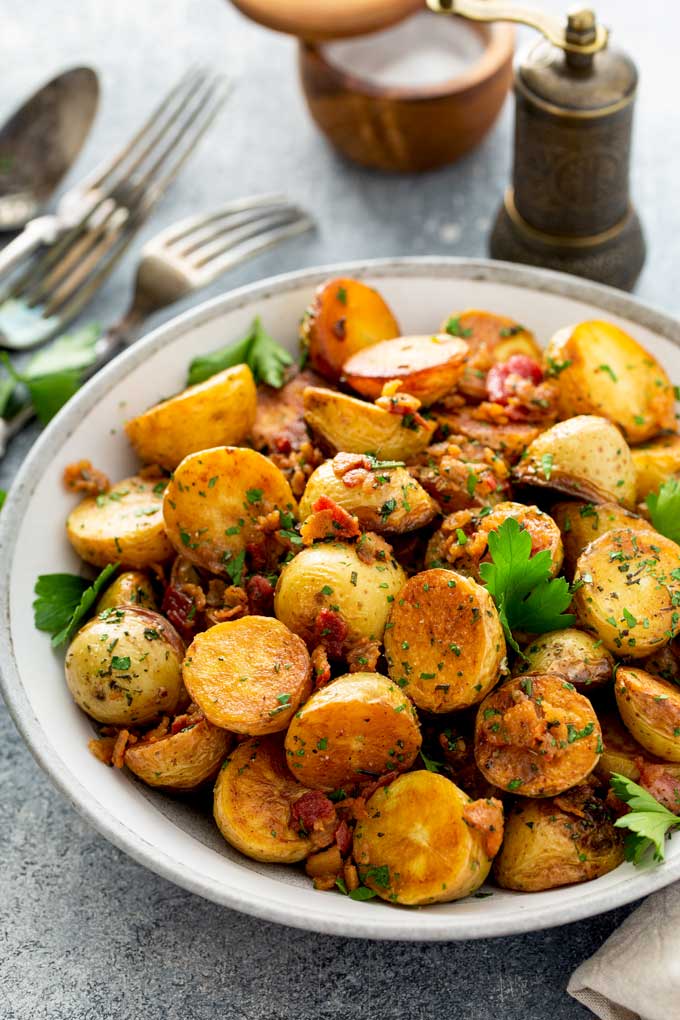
[(636, 973)]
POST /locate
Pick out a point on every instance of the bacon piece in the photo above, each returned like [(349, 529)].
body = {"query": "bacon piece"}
[(118, 753), (402, 404), (330, 630), (321, 666), (328, 520), (372, 548), (312, 811), (260, 594), (180, 610), (656, 779), (102, 748), (343, 837), (363, 656), (82, 477), (352, 468), (486, 816), (500, 380)]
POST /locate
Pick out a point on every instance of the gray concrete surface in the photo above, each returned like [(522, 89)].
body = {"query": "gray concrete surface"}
[(85, 933)]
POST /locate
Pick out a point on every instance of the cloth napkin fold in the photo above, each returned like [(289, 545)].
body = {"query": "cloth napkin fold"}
[(636, 973)]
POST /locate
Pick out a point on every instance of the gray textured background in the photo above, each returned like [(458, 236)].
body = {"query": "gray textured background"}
[(84, 931)]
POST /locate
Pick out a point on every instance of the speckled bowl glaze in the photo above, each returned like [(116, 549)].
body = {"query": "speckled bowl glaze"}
[(175, 839)]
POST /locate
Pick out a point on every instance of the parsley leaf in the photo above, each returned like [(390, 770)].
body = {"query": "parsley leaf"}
[(63, 600), (527, 597), (664, 509), (266, 359), (3, 497), (648, 821)]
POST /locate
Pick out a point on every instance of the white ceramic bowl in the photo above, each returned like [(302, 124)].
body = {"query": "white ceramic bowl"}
[(174, 839)]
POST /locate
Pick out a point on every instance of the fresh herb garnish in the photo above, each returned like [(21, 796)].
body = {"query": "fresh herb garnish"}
[(266, 358), (649, 821), (454, 328), (63, 600), (664, 509)]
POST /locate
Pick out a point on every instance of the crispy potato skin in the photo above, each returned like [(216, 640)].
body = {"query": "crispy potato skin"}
[(650, 709), (581, 523), (344, 423), (217, 412), (545, 847), (428, 366), (609, 373), (248, 675), (536, 736), (132, 588), (180, 761), (254, 794), (214, 499), (345, 317), (388, 500), (572, 654), (330, 574), (655, 463), (444, 644), (112, 689), (123, 526), (357, 726), (414, 847), (627, 590)]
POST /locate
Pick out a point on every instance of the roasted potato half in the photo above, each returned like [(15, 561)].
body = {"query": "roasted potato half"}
[(248, 675), (424, 841), (345, 316), (356, 727), (536, 736), (572, 654), (254, 797), (384, 497), (581, 523), (650, 709), (217, 412), (131, 588), (444, 643), (214, 499), (183, 760), (331, 576), (604, 371), (355, 426), (620, 751), (586, 457), (655, 463), (628, 589), (124, 525), (492, 339), (427, 366), (556, 842), (124, 666)]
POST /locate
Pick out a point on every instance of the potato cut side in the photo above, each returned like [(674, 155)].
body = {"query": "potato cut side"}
[(183, 760), (254, 797), (428, 366), (604, 371), (344, 423), (578, 657), (415, 845), (248, 675), (444, 641), (492, 339), (628, 591), (581, 523), (345, 316), (536, 736), (650, 709), (356, 727), (213, 502), (217, 412), (655, 463), (622, 753), (124, 525)]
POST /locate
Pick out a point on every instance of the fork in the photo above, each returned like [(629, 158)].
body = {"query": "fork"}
[(96, 221), (185, 258)]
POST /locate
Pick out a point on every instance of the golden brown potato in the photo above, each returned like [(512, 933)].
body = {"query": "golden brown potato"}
[(254, 797), (280, 417), (492, 339), (356, 727), (345, 316), (183, 760), (383, 498), (655, 463), (213, 502), (556, 842), (582, 523), (628, 588), (572, 654), (355, 426), (650, 709), (585, 457), (620, 751), (537, 736), (331, 576), (217, 412), (124, 666), (428, 366), (418, 845), (604, 371), (248, 675), (131, 588), (124, 525), (444, 641)]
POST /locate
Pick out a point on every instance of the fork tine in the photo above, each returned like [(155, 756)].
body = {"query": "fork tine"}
[(231, 237), (199, 238), (220, 263), (182, 229)]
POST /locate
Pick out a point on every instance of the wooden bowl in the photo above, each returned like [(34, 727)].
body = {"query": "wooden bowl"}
[(409, 128)]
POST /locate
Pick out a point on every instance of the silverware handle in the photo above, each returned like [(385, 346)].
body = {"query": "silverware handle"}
[(43, 230)]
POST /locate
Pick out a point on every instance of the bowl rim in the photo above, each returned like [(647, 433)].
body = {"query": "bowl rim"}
[(433, 926)]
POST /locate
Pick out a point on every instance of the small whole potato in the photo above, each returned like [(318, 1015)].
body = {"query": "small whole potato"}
[(572, 654), (650, 709), (124, 666), (427, 366), (655, 462), (581, 523), (356, 727), (180, 761), (492, 339), (131, 588)]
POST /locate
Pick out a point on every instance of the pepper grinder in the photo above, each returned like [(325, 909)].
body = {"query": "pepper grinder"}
[(568, 207)]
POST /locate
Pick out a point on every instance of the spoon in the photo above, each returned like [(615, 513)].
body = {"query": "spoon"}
[(40, 142)]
